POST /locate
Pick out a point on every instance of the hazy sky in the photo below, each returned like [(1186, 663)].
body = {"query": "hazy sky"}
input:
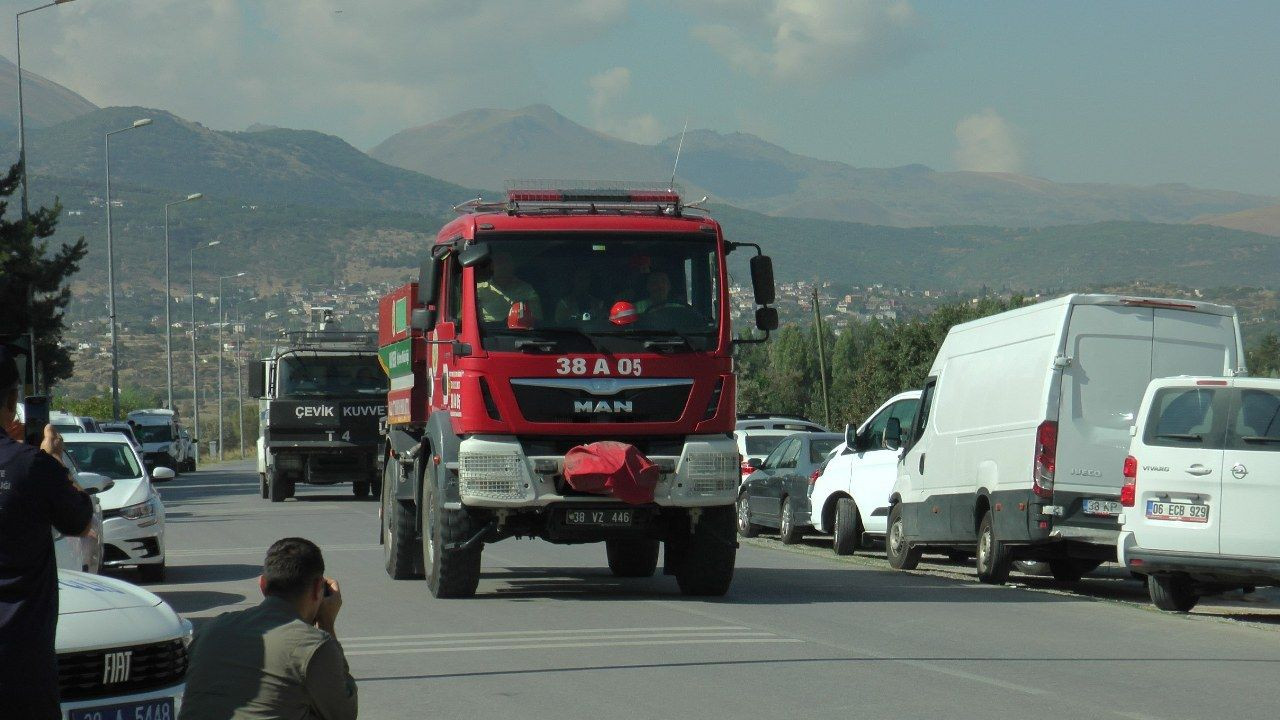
[(1134, 92)]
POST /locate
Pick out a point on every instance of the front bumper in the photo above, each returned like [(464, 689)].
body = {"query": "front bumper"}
[(174, 691), (493, 472), (127, 542)]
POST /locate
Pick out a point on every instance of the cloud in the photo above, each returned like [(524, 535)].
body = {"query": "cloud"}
[(374, 68), (987, 142), (805, 40), (608, 88)]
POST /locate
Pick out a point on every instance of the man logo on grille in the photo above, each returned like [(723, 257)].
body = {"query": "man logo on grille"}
[(116, 666)]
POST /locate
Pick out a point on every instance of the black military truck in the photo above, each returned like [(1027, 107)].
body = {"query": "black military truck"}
[(321, 396)]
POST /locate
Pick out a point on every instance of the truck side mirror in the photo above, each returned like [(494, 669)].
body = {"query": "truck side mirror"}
[(422, 319), (428, 281), (892, 434), (474, 254), (767, 318), (762, 279), (257, 378)]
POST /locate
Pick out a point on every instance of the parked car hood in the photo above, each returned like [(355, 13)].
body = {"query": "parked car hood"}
[(125, 493), (81, 592)]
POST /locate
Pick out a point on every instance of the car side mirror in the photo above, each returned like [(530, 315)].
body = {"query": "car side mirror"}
[(93, 483), (892, 434), (163, 473), (754, 463), (850, 438)]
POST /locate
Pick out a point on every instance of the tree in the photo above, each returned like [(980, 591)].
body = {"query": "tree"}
[(1263, 359), (33, 290)]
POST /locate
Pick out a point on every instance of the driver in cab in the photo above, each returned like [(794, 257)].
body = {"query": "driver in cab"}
[(496, 295), (658, 289)]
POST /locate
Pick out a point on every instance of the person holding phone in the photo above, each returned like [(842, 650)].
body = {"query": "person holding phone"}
[(280, 659), (37, 495)]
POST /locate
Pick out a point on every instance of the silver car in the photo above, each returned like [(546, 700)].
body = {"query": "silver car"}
[(776, 493)]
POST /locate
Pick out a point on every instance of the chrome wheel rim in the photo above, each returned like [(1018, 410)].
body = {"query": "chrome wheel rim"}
[(786, 519), (984, 551), (895, 538), (744, 518)]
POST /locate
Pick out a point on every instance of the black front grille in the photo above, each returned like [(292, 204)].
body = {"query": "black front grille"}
[(574, 405), (84, 675)]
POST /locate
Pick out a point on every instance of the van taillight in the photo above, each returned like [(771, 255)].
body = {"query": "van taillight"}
[(1046, 458), (1129, 491)]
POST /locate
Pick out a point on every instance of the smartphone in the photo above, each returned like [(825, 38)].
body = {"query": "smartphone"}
[(327, 590), (35, 417)]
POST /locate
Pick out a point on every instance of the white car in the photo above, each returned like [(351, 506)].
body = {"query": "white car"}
[(851, 495), (160, 435), (765, 421), (1201, 488), (122, 651), (133, 514), (755, 445), (83, 552), (68, 424)]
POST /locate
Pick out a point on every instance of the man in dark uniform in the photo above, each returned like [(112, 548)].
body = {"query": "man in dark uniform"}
[(36, 496)]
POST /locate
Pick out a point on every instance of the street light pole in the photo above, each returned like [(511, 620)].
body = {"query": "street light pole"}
[(111, 271), (195, 399), (22, 166), (221, 322), (168, 298)]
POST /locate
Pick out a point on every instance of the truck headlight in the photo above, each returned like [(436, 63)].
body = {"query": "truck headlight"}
[(491, 475), (711, 472)]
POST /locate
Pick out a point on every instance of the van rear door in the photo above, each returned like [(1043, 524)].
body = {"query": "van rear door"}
[(1193, 343), (1110, 348)]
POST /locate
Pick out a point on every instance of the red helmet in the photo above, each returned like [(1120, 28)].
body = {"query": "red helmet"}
[(623, 313)]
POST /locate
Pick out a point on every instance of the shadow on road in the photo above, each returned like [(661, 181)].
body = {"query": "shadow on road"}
[(230, 572), (190, 601)]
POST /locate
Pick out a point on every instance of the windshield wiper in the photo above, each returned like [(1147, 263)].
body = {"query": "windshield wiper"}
[(547, 339), (673, 344), (1261, 438), (1182, 436), (676, 341), (543, 345)]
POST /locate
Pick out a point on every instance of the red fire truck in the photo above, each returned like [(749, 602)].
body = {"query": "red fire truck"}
[(563, 370)]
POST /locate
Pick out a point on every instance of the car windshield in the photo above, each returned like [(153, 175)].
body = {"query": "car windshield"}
[(561, 290), (153, 433), (763, 444), (110, 459), (305, 373)]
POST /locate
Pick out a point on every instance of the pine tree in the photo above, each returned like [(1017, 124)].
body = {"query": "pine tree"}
[(29, 271)]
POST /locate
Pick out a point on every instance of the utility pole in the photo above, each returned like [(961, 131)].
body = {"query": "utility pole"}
[(822, 360)]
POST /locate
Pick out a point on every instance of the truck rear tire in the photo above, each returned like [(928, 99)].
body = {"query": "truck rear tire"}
[(845, 534), (709, 553), (901, 553), (401, 551), (360, 488), (632, 558), (279, 488), (994, 561), (1173, 593), (452, 572)]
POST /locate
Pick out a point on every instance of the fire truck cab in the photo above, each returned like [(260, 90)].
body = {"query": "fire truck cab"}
[(564, 321)]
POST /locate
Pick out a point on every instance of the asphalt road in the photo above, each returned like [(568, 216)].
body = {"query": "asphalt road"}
[(801, 633)]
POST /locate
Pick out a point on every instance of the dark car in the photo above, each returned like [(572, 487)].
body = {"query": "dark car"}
[(776, 494)]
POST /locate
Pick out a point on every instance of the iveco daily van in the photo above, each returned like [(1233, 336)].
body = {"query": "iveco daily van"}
[(1018, 446)]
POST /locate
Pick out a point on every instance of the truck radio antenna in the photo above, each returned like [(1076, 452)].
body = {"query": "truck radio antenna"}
[(679, 147)]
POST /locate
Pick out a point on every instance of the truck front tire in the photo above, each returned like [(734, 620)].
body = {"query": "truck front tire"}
[(360, 488), (707, 554), (452, 572), (632, 558), (401, 551)]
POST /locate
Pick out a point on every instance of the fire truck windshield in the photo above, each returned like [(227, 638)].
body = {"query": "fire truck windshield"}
[(305, 373), (592, 291)]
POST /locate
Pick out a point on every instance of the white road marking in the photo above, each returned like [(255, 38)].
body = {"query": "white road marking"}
[(582, 631), (578, 645)]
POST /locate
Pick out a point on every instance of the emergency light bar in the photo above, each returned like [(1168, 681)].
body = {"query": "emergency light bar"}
[(610, 193)]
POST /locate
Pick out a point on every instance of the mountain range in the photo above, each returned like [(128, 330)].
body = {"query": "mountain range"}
[(46, 102), (486, 147), (295, 206)]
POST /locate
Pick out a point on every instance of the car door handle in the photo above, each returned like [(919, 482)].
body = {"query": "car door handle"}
[(1198, 469), (921, 463)]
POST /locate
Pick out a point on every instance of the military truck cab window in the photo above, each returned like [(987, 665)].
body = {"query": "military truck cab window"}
[(307, 374), (599, 292)]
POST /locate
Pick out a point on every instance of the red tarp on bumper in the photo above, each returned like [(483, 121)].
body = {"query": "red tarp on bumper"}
[(612, 468)]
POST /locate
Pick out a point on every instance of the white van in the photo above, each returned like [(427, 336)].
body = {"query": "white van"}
[(1202, 484), (1018, 446)]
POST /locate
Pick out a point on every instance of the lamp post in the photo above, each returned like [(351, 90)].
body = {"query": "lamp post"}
[(22, 165), (220, 323), (168, 298), (111, 271), (195, 399)]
